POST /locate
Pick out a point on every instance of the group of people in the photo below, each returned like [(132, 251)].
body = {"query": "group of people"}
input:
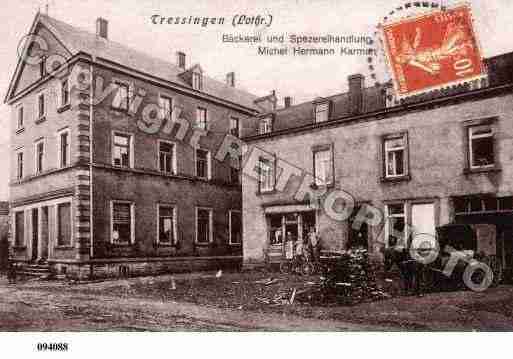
[(308, 248)]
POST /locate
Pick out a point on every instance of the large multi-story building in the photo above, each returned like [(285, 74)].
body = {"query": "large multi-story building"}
[(97, 190), (418, 163)]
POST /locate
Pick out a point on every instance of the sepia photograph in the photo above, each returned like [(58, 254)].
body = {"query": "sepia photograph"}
[(298, 167)]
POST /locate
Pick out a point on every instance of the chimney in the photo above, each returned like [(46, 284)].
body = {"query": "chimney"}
[(287, 101), (102, 28), (180, 59), (356, 84), (230, 79)]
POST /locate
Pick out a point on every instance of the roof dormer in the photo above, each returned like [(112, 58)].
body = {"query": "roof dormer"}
[(194, 77), (321, 109)]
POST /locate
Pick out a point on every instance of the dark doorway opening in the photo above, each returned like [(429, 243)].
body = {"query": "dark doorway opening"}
[(35, 233), (358, 232)]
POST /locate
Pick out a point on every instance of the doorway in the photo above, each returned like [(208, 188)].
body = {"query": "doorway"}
[(358, 231), (35, 233)]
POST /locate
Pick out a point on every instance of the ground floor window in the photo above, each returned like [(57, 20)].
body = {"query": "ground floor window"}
[(204, 225), (167, 224), (64, 224), (19, 228), (295, 225), (235, 227), (481, 204), (396, 224), (122, 222)]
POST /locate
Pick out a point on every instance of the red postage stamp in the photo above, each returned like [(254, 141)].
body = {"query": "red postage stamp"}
[(432, 50)]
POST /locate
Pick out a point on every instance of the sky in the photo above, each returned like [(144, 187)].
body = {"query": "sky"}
[(302, 77)]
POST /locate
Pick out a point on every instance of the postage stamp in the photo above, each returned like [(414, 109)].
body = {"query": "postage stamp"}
[(432, 50)]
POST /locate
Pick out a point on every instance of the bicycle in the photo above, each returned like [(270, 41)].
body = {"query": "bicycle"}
[(299, 265)]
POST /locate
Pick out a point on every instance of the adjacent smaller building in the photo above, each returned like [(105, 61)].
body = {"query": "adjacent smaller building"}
[(407, 166)]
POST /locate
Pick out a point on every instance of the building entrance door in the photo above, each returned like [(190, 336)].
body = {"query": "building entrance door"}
[(44, 234), (358, 231), (35, 233), (291, 225)]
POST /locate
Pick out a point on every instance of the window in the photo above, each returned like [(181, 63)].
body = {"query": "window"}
[(65, 92), (166, 106), (40, 155), (64, 224), (19, 228), (201, 118), (196, 81), (266, 174), (167, 224), (234, 175), (395, 156), (323, 167), (20, 119), (266, 125), (481, 145), (234, 126), (396, 224), (167, 157), (41, 105), (481, 204), (64, 148), (235, 224), (203, 164), (322, 112), (235, 164), (121, 100), (19, 164), (122, 223), (42, 67), (122, 151), (204, 225)]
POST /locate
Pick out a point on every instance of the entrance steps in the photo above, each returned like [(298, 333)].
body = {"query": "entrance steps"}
[(35, 270)]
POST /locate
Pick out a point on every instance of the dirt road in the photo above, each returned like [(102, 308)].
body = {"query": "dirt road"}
[(23, 308), (142, 304)]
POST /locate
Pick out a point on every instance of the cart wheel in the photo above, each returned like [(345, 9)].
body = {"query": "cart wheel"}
[(285, 267), (307, 268)]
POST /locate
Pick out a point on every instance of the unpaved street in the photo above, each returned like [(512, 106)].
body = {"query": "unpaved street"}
[(141, 304), (59, 307)]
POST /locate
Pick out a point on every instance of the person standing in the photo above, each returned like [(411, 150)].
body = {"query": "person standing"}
[(289, 246), (313, 244)]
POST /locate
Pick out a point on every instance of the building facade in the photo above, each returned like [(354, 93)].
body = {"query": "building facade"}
[(407, 166), (113, 158)]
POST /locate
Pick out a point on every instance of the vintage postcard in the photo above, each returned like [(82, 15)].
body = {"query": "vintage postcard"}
[(259, 166)]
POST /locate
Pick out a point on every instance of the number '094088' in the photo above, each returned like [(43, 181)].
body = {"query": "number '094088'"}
[(62, 347)]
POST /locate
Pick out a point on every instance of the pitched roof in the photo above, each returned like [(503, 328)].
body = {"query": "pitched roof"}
[(500, 72), (79, 40), (303, 113)]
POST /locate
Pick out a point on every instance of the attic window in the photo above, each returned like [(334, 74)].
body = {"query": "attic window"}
[(196, 81), (266, 125), (322, 112), (42, 67)]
